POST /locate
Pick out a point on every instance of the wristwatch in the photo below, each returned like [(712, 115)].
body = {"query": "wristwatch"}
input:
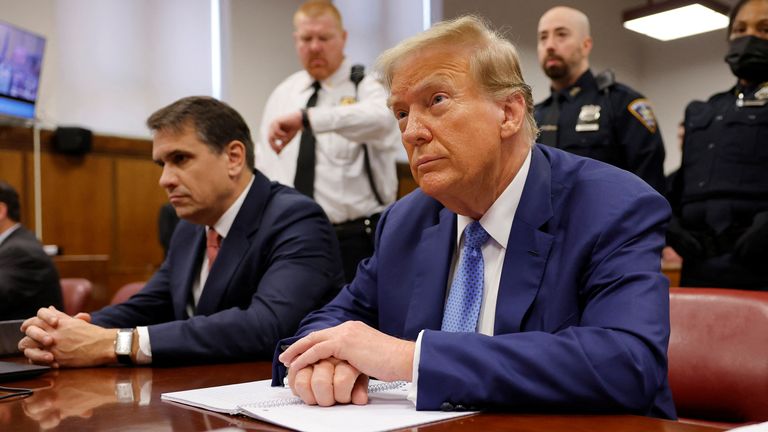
[(124, 345), (124, 391)]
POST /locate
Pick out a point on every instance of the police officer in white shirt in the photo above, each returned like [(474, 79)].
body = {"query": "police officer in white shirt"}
[(348, 162)]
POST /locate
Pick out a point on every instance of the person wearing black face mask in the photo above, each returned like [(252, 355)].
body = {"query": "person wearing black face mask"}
[(748, 58), (720, 195)]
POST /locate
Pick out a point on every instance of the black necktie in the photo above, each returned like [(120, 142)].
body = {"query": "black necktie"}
[(304, 181), (549, 137)]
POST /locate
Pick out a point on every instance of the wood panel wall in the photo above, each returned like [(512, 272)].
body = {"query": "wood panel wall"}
[(12, 171), (100, 208)]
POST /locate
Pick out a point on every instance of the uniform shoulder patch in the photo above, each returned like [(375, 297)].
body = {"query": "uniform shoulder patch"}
[(641, 109)]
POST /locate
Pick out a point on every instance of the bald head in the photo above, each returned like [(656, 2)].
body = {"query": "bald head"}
[(564, 45), (572, 18)]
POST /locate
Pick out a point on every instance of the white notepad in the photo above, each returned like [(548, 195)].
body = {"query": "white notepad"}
[(387, 407)]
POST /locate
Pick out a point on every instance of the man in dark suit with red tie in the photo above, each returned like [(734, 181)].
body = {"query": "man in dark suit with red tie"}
[(248, 260)]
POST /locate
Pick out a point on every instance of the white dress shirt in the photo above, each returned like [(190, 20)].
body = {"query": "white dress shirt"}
[(222, 226), (497, 222), (340, 126)]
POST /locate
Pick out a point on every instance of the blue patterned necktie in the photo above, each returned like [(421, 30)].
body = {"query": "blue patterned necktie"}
[(463, 306)]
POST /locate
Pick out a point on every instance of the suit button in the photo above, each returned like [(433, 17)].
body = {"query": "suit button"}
[(711, 146), (446, 406)]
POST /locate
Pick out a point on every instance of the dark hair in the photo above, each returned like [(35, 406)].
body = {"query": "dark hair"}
[(732, 15), (10, 197), (217, 124)]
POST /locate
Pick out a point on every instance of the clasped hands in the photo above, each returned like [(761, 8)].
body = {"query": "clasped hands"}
[(332, 366), (57, 339)]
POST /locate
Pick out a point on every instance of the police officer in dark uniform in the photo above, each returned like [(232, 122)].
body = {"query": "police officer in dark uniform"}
[(720, 195), (589, 115)]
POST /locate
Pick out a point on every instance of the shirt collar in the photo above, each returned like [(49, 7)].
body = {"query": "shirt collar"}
[(334, 80), (226, 220), (7, 233), (585, 82), (497, 220)]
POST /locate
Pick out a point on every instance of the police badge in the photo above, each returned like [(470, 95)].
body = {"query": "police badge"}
[(760, 98), (762, 93), (641, 109), (589, 119)]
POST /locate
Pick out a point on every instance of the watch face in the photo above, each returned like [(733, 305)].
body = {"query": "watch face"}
[(124, 392), (124, 342)]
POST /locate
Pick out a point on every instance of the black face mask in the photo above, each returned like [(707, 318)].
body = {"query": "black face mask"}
[(748, 58)]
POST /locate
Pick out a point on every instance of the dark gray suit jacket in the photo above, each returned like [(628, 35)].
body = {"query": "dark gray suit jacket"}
[(28, 278)]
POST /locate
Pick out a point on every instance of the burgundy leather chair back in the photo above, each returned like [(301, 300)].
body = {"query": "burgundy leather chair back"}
[(718, 354), (76, 293), (126, 292)]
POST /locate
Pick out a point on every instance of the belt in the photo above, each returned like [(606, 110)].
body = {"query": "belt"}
[(363, 225)]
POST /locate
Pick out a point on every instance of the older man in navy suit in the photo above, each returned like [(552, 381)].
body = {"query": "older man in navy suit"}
[(248, 261), (517, 277)]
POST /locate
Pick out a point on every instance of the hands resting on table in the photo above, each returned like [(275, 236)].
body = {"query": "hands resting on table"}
[(57, 339), (332, 366)]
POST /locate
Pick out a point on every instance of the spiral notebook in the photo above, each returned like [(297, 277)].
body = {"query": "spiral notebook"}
[(387, 407)]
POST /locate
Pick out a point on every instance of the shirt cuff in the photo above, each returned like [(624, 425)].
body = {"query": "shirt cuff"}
[(414, 390), (321, 119), (144, 354)]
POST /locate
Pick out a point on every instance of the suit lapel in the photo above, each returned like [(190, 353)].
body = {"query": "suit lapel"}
[(528, 248), (435, 247), (235, 246)]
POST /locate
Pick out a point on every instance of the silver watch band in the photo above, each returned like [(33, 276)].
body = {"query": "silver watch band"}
[(124, 345)]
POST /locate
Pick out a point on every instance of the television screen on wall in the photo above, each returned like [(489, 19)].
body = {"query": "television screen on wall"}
[(21, 58)]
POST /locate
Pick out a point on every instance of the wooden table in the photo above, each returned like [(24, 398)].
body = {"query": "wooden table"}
[(86, 400)]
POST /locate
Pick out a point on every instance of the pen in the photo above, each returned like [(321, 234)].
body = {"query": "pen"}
[(284, 347)]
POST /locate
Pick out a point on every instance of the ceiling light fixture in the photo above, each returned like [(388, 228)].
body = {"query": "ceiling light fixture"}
[(674, 19)]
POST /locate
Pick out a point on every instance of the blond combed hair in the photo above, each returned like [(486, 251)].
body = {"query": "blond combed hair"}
[(316, 8), (493, 62)]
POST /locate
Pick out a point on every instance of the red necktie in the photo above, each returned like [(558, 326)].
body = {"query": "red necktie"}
[(212, 244)]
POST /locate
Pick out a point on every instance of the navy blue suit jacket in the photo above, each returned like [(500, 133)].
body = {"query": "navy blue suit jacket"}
[(582, 317), (279, 261)]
